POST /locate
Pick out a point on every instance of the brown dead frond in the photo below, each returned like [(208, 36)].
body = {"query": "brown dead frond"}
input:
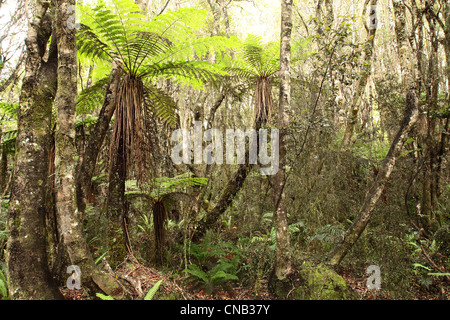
[(263, 101), (128, 131)]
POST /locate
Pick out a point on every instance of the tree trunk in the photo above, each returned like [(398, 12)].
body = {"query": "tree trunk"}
[(230, 191), (116, 210), (3, 170), (374, 193), (70, 219), (362, 82), (87, 161), (27, 263), (283, 255)]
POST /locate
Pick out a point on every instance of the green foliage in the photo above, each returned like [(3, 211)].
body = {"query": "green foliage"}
[(167, 47), (86, 120), (270, 238), (10, 110), (91, 98), (4, 294), (328, 233), (149, 296), (165, 185), (151, 293), (256, 59), (9, 141), (217, 264), (103, 296)]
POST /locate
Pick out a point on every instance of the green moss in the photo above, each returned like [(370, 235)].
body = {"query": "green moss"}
[(319, 282)]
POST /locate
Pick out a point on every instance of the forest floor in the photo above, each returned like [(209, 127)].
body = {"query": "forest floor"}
[(138, 280)]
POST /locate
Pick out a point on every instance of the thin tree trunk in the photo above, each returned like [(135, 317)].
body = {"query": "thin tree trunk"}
[(3, 170), (88, 159), (362, 82), (116, 210), (283, 255), (374, 193), (27, 262)]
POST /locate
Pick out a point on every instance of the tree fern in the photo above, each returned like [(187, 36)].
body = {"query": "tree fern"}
[(147, 51), (258, 64)]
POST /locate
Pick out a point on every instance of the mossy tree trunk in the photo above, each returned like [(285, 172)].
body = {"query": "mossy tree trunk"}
[(69, 217), (29, 275)]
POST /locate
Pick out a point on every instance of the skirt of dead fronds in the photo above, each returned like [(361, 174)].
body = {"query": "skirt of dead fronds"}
[(263, 101), (129, 129)]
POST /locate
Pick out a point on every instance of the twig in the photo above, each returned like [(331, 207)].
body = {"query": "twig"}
[(164, 8)]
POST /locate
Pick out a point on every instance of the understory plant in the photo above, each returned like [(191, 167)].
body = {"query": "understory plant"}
[(216, 265)]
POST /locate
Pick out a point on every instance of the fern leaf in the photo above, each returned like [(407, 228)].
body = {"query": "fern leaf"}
[(91, 98), (151, 293)]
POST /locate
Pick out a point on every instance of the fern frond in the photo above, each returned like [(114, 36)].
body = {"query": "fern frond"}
[(90, 45), (91, 98), (255, 57), (195, 73), (160, 103), (198, 49), (11, 110), (179, 26), (9, 141)]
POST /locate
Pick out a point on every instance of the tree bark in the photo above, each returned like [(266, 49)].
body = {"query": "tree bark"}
[(87, 161), (283, 255), (374, 193), (69, 217), (27, 262), (362, 82), (116, 210)]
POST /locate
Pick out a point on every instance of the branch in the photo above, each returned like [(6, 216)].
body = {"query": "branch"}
[(164, 8), (12, 78)]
